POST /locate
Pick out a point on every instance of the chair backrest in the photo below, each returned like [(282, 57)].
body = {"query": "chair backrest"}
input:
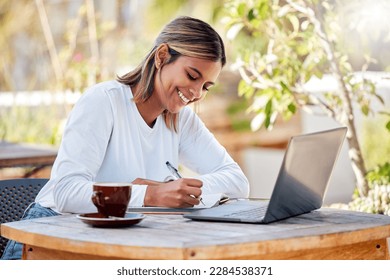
[(15, 196)]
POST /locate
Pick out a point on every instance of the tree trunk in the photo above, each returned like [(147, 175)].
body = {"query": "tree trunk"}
[(357, 160), (347, 117), (55, 60)]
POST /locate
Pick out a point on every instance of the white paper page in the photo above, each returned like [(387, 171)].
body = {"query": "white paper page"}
[(210, 200)]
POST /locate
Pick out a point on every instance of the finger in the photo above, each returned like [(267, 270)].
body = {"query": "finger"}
[(192, 200), (193, 182), (138, 181), (196, 192), (189, 196), (187, 205), (185, 201), (142, 181)]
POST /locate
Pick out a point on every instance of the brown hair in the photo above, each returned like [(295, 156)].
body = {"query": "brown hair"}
[(185, 36)]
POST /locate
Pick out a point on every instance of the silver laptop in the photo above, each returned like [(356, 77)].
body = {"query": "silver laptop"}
[(300, 186)]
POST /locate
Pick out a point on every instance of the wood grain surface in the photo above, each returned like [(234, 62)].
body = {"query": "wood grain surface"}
[(322, 234)]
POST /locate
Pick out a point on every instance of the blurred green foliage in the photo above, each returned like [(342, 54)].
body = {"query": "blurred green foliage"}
[(375, 142), (124, 35), (240, 120), (280, 48), (42, 124), (380, 174), (294, 41)]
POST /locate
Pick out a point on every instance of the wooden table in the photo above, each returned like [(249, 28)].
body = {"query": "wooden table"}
[(20, 155), (322, 234)]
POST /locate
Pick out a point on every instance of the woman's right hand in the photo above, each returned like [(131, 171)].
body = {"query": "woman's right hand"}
[(180, 193)]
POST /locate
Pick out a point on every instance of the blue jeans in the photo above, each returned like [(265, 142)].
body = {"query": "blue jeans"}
[(13, 250)]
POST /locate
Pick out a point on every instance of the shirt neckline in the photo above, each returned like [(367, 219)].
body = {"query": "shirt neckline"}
[(140, 120)]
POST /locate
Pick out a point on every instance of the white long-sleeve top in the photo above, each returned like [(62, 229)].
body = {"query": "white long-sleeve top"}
[(107, 140)]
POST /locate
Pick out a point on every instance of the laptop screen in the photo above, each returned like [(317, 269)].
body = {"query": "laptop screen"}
[(305, 173)]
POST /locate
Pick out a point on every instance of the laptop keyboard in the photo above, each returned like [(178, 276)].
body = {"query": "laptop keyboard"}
[(257, 212)]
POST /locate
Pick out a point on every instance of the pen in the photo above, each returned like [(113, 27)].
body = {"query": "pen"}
[(173, 170), (176, 173)]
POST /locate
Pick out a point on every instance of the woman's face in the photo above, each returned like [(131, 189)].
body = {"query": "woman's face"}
[(184, 81)]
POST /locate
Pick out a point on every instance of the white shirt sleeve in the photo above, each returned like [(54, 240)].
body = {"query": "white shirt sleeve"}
[(202, 153), (82, 151)]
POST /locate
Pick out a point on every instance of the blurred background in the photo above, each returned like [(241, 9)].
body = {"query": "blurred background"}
[(51, 50)]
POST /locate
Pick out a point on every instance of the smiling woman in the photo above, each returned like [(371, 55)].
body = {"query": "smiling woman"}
[(191, 41), (126, 130)]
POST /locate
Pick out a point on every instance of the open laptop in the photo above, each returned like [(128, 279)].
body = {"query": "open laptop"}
[(300, 186)]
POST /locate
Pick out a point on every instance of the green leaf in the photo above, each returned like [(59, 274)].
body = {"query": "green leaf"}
[(302, 49), (388, 126), (267, 121), (365, 109), (384, 113), (292, 108), (245, 90), (263, 10), (251, 15), (241, 9), (284, 86), (268, 108), (381, 100)]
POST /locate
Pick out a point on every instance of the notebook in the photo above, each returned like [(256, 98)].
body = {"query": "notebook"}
[(300, 186), (209, 200)]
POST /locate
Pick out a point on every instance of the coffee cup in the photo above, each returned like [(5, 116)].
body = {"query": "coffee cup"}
[(111, 199)]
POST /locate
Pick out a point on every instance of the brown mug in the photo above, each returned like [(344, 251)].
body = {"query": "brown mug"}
[(111, 199)]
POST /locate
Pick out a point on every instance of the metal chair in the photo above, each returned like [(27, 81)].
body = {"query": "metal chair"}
[(15, 196)]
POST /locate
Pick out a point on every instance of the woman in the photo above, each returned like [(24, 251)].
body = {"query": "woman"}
[(126, 130)]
